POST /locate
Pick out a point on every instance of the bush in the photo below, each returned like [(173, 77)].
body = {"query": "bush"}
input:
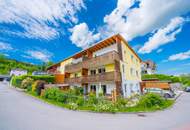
[(17, 80), (151, 100), (80, 101), (78, 91), (27, 83), (72, 106), (51, 93), (121, 102), (37, 86), (105, 106), (47, 78), (92, 100), (61, 97)]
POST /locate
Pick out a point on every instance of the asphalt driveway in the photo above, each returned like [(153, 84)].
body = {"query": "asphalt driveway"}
[(19, 111)]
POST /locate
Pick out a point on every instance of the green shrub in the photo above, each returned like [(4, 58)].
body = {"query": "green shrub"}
[(80, 101), (27, 83), (61, 97), (92, 99), (72, 106), (51, 93), (47, 78), (151, 100), (121, 102), (17, 80), (78, 91), (37, 86), (106, 106)]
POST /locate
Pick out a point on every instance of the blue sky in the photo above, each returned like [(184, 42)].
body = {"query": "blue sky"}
[(50, 30)]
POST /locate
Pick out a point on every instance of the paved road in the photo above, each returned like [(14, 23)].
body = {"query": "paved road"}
[(19, 111)]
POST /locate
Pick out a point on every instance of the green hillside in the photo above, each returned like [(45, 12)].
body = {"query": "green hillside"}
[(7, 64)]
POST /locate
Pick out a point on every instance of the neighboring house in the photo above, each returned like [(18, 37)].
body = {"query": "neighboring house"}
[(176, 86), (148, 67), (108, 65), (18, 72), (39, 73), (155, 83)]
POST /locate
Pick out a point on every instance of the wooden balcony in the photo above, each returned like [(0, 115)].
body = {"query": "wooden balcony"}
[(108, 76), (77, 80), (94, 62)]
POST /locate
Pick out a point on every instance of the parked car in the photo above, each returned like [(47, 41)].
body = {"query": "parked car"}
[(187, 89), (164, 93)]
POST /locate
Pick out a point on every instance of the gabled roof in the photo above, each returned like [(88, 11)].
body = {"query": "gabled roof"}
[(102, 44)]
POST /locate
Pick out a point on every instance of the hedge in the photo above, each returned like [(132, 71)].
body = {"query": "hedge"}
[(182, 79), (17, 80), (162, 77)]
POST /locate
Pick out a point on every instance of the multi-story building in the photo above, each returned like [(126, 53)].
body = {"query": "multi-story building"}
[(108, 65), (148, 67)]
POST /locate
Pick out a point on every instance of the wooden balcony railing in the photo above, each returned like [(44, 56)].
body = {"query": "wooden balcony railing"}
[(94, 62), (108, 76)]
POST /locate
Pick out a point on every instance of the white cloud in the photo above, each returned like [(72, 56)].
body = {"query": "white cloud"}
[(5, 46), (39, 18), (148, 17), (42, 55), (163, 35), (180, 56), (159, 50), (136, 47), (82, 36)]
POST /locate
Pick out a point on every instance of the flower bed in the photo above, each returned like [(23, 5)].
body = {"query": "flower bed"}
[(73, 101)]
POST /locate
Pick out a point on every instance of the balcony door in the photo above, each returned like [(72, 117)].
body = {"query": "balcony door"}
[(104, 89)]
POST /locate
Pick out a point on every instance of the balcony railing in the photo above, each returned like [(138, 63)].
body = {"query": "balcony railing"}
[(94, 62), (108, 76)]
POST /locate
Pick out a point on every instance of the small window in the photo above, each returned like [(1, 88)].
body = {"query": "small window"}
[(93, 88), (101, 70), (76, 75), (131, 71), (132, 57), (137, 74), (92, 72), (125, 87), (123, 67)]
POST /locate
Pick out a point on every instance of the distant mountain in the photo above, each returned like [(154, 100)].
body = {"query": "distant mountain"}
[(7, 64)]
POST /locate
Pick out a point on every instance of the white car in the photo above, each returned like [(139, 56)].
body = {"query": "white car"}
[(164, 93)]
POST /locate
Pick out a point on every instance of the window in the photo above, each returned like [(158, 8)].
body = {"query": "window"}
[(125, 86), (131, 71), (132, 57), (93, 88), (104, 89), (137, 74), (131, 88), (76, 75), (101, 70), (123, 67), (92, 72)]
